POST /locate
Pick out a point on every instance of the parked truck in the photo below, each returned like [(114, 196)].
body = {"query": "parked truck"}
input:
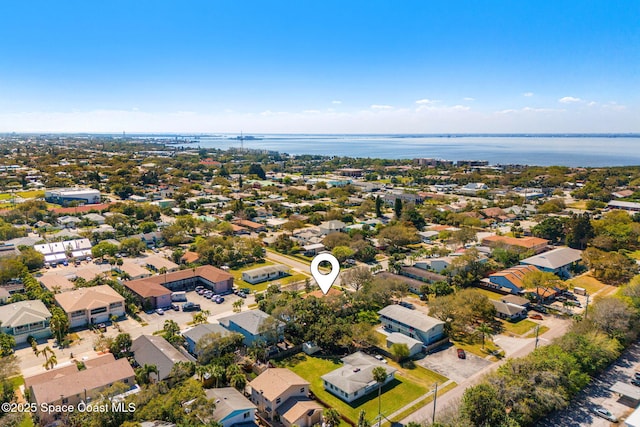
[(178, 296)]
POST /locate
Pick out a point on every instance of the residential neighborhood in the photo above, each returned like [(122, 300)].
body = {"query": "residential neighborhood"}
[(178, 281)]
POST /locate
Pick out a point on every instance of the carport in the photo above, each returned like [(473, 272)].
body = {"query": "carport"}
[(628, 393)]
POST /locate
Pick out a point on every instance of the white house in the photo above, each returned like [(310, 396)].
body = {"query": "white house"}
[(25, 318), (231, 407), (412, 323), (263, 274), (355, 378)]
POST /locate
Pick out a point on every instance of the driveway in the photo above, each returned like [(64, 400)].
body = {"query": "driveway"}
[(445, 361)]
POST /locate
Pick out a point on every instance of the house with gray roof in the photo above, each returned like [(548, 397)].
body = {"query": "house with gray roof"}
[(355, 379), (559, 261), (155, 350), (25, 318), (509, 311), (195, 334), (412, 323), (250, 325), (331, 226), (231, 407)]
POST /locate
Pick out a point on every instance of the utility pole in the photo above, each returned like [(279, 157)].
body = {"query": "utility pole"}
[(586, 306), (537, 330), (435, 397)]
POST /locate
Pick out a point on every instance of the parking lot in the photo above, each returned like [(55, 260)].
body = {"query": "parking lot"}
[(445, 361), (183, 318)]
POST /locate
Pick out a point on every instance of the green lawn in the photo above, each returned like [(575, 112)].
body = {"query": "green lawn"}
[(259, 287), (27, 421), (489, 294), (394, 395), (520, 327), (586, 281), (17, 381), (410, 410), (476, 348), (418, 374), (542, 330), (635, 254)]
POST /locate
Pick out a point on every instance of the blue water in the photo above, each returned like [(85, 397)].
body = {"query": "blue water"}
[(532, 150)]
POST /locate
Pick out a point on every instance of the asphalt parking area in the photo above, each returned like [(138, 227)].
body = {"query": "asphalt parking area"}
[(445, 361)]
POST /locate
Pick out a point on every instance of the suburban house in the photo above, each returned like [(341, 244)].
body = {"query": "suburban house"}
[(412, 323), (331, 226), (515, 299), (151, 295), (155, 350), (231, 407), (250, 325), (251, 225), (511, 279), (559, 261), (24, 318), (263, 274), (195, 334), (69, 386), (414, 345), (435, 264), (509, 311), (421, 274), (278, 391), (534, 244), (208, 276), (355, 379), (313, 249), (91, 305)]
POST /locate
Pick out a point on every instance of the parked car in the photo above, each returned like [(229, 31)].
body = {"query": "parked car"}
[(635, 382), (219, 300), (160, 311), (539, 308), (461, 354), (199, 288), (245, 290), (536, 316), (380, 358), (637, 375), (604, 413), (190, 306), (407, 305), (242, 295), (175, 307)]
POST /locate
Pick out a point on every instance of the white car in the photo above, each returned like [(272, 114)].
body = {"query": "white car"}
[(160, 311), (380, 358), (604, 413)]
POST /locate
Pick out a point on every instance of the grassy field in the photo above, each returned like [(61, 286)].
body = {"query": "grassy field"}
[(476, 348), (635, 254), (259, 287), (418, 374), (394, 395), (520, 327), (410, 410), (489, 294), (582, 204), (542, 330), (588, 282)]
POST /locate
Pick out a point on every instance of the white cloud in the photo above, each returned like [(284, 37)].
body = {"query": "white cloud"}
[(614, 106), (591, 104), (468, 99), (527, 94), (569, 100), (336, 102), (426, 101), (311, 111), (381, 107)]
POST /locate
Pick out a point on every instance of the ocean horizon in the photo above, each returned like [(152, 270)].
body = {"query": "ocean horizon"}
[(573, 150)]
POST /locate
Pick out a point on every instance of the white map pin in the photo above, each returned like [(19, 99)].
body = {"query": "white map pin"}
[(325, 281)]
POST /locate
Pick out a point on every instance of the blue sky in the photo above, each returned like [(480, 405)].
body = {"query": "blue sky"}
[(324, 66)]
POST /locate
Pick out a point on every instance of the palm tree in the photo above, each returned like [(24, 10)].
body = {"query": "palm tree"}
[(486, 332), (50, 362), (218, 373), (146, 371), (362, 419), (332, 417), (201, 372), (380, 376), (238, 381)]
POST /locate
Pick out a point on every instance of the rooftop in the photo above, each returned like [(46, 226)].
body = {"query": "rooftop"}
[(356, 373), (275, 381), (412, 318)]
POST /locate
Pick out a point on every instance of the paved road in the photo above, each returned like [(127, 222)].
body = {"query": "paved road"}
[(597, 394), (452, 397)]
